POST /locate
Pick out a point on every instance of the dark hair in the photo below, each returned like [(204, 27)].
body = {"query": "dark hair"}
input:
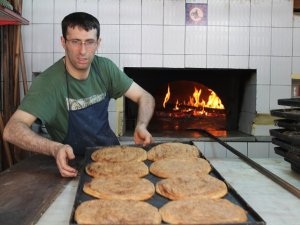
[(80, 19)]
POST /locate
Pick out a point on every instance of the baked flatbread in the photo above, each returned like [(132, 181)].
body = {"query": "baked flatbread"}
[(202, 211), (169, 167), (191, 187), (172, 150), (119, 154), (105, 169), (116, 212), (121, 188)]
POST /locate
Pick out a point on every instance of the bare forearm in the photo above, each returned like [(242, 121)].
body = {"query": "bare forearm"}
[(21, 135), (146, 109)]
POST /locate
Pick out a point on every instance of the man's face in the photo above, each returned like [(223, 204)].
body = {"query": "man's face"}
[(80, 47)]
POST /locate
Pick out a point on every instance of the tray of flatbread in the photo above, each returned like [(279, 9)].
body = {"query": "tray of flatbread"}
[(162, 183)]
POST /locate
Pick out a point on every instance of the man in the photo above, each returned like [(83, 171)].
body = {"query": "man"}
[(71, 97)]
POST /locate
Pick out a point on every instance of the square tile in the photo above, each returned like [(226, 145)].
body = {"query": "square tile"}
[(217, 40), (195, 40), (241, 147), (42, 37), (296, 42), (217, 61), (260, 41), (173, 61), (130, 60), (281, 69), (195, 61), (130, 38), (282, 41), (238, 62), (90, 7), (57, 39), (214, 150), (41, 61), (174, 12), (218, 12), (110, 39), (239, 13), (258, 150), (41, 12), (152, 12), (282, 13), (109, 11), (130, 12), (152, 39), (62, 9), (263, 98), (173, 40), (196, 14), (261, 13), (296, 65), (150, 60), (239, 40), (278, 92), (263, 66)]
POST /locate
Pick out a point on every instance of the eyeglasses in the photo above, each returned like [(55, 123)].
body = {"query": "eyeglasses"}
[(89, 44)]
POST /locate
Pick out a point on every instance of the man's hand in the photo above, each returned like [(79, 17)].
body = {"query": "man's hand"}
[(142, 136), (62, 155)]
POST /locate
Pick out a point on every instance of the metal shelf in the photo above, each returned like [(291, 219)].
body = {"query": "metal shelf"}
[(9, 17)]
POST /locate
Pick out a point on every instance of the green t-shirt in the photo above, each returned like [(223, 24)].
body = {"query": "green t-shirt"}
[(47, 98)]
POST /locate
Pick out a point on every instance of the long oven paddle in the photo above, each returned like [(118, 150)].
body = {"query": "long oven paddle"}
[(252, 163)]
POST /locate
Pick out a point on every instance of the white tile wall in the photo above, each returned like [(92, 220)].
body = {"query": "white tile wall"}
[(257, 34)]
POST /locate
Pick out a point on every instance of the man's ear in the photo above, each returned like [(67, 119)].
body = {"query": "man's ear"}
[(63, 42)]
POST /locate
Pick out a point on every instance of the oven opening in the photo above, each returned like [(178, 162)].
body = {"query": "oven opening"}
[(216, 100)]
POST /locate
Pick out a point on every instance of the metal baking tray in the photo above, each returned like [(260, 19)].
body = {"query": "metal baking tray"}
[(158, 200), (282, 135), (287, 146), (288, 124), (292, 113), (289, 102)]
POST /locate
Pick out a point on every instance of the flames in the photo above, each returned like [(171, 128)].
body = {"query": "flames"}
[(196, 102)]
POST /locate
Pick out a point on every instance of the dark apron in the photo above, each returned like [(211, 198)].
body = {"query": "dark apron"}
[(89, 127)]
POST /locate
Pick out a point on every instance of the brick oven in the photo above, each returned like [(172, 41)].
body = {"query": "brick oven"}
[(182, 98)]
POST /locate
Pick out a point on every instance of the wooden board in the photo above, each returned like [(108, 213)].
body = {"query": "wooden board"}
[(28, 188)]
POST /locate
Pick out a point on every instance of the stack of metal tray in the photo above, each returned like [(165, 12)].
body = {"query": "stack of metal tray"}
[(158, 200), (287, 136)]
